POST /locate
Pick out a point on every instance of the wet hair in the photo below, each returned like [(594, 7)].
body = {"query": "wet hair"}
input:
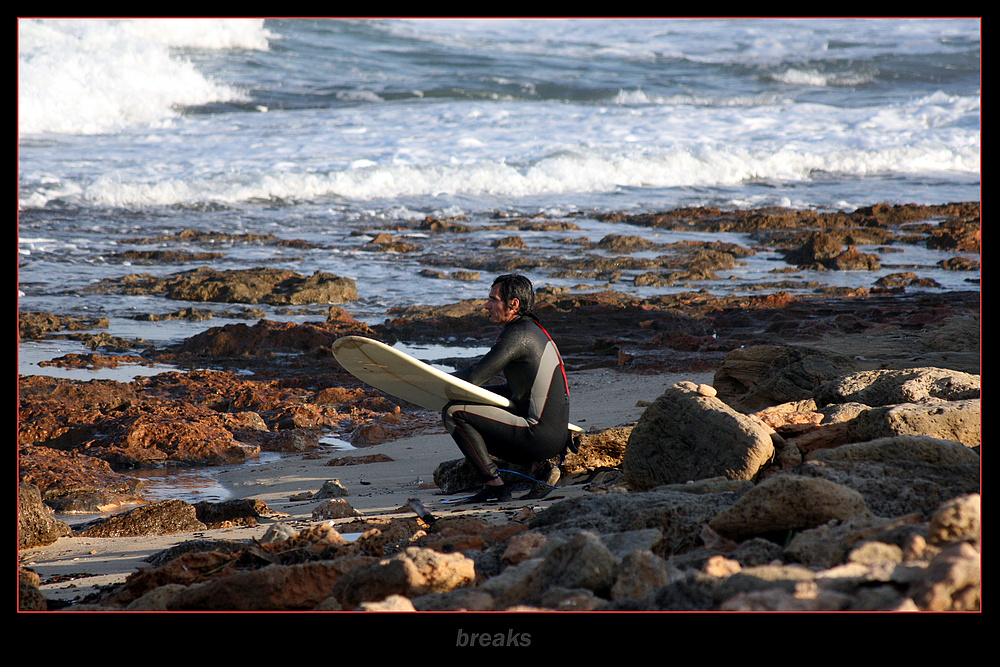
[(515, 286)]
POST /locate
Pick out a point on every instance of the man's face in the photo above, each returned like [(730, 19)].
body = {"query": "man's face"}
[(499, 312)]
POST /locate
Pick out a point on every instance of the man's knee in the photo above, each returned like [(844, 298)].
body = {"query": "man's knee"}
[(448, 416)]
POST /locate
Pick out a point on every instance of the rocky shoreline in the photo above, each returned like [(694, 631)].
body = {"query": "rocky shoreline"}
[(840, 430)]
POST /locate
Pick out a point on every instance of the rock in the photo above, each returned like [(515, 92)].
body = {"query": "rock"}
[(525, 546), (392, 603), (265, 339), (757, 551), (959, 421), (566, 599), (962, 235), (257, 285), (182, 433), (158, 599), (35, 524), (892, 387), (386, 243), (331, 488), (756, 377), (277, 588), (228, 513), (510, 242), (163, 518), (639, 574), (29, 595), (693, 591), (278, 532), (31, 325), (898, 476), (790, 418), (825, 250), (657, 548), (911, 448), (957, 520), (829, 545), (786, 503), (685, 436), (77, 436), (581, 563), (412, 572), (754, 580), (875, 553), (618, 243), (805, 597), (678, 514), (951, 582), (599, 449), (462, 599), (335, 508)]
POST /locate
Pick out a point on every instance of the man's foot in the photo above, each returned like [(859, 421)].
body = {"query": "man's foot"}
[(490, 493)]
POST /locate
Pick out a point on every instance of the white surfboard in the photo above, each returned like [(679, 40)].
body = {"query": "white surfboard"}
[(398, 374)]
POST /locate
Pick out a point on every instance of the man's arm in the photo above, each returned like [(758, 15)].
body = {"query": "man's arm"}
[(489, 366)]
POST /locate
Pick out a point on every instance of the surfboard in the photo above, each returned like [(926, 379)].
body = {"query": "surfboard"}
[(405, 377), (397, 373)]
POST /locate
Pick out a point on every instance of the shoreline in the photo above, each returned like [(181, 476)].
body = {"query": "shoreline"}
[(74, 567)]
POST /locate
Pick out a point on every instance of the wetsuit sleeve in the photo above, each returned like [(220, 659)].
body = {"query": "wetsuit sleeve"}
[(490, 365)]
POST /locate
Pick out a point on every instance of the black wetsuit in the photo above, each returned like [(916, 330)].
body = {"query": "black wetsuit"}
[(535, 427)]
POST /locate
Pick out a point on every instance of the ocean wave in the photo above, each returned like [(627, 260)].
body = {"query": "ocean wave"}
[(97, 76), (812, 77), (560, 172)]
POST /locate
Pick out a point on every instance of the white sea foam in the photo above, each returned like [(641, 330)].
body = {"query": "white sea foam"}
[(498, 150), (92, 76)]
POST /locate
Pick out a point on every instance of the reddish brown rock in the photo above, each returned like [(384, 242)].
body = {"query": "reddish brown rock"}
[(72, 482), (266, 338), (35, 524), (414, 571), (37, 325), (29, 595), (91, 361), (164, 518), (257, 285)]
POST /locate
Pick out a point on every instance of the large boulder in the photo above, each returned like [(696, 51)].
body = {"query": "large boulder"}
[(756, 377), (788, 503), (945, 420), (899, 476), (892, 387), (688, 434), (163, 518), (35, 524)]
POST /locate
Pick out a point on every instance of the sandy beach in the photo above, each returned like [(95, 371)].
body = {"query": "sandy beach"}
[(75, 567)]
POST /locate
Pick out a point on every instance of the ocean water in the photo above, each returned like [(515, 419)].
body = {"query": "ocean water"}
[(317, 129)]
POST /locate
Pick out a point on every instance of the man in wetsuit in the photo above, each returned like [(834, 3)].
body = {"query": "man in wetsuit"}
[(536, 425)]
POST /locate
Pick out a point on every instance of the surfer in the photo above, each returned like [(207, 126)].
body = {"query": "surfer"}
[(535, 426)]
